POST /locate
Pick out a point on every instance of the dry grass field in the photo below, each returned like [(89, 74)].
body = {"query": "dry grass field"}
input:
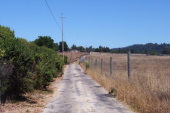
[(148, 90), (73, 56)]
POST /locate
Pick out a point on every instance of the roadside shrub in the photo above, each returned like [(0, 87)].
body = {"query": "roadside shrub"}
[(47, 61), (3, 82), (18, 55), (6, 32), (27, 67), (65, 60), (87, 64)]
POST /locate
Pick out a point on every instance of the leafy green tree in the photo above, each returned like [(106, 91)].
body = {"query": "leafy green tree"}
[(6, 32), (46, 41), (66, 48), (81, 48), (56, 47), (73, 47)]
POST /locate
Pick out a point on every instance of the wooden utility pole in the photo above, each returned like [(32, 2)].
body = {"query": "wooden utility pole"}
[(62, 18)]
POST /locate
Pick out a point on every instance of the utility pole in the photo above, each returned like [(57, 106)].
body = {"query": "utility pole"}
[(62, 34)]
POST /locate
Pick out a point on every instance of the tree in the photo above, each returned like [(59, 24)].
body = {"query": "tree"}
[(73, 47), (97, 50), (166, 51), (5, 32), (66, 48), (56, 47), (106, 49), (45, 41), (81, 48), (90, 49), (100, 48), (132, 50)]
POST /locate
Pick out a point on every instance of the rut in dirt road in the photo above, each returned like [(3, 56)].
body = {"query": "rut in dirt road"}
[(78, 93)]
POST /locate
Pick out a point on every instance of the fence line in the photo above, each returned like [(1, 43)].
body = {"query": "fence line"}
[(94, 63), (141, 71), (148, 74)]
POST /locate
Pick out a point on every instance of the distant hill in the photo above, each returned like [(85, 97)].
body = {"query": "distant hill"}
[(149, 48)]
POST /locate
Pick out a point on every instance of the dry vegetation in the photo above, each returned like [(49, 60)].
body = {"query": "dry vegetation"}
[(32, 102), (73, 56), (148, 90)]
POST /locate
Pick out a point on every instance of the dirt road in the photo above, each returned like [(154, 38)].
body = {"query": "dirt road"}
[(78, 93)]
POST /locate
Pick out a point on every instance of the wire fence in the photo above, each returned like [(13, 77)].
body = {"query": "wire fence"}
[(149, 72)]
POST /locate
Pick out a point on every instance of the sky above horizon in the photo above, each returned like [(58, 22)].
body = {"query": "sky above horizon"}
[(110, 23)]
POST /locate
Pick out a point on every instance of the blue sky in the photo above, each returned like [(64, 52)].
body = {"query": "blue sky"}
[(111, 23)]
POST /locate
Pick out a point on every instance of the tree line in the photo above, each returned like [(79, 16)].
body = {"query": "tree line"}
[(90, 49), (25, 66), (149, 48), (49, 42)]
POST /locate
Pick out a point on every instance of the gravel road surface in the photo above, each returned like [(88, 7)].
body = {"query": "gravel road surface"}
[(78, 93)]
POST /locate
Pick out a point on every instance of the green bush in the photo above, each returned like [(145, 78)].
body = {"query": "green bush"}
[(32, 66), (19, 56), (87, 64), (65, 59), (154, 53), (6, 32)]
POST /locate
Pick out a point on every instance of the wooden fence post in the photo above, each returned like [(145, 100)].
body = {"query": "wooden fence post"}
[(129, 65), (168, 87), (111, 65), (92, 63), (101, 65), (96, 63), (89, 62)]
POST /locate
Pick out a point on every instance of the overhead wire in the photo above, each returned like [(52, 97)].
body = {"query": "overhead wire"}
[(52, 14)]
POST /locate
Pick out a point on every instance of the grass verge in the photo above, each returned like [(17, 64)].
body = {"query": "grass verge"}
[(139, 99)]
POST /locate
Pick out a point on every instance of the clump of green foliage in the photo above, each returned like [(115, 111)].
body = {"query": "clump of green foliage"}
[(65, 59), (46, 41), (87, 64), (154, 53), (112, 90), (24, 65)]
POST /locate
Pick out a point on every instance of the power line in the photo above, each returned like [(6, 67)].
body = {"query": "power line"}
[(52, 14)]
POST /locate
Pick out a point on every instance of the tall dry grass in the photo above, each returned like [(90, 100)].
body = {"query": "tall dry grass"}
[(148, 90)]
